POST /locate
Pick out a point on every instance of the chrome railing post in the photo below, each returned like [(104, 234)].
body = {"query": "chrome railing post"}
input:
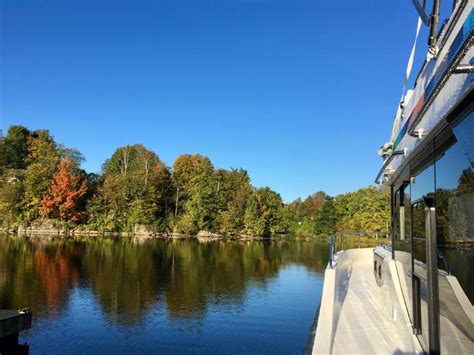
[(331, 251)]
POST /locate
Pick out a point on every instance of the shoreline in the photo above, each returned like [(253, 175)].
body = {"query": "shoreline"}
[(202, 236)]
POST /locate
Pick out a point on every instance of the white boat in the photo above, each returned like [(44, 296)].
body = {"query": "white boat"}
[(416, 294)]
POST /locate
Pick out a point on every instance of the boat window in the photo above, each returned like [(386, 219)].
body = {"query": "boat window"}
[(422, 186), (455, 206), (402, 219), (396, 217), (407, 210), (464, 133), (419, 235), (402, 242), (455, 234)]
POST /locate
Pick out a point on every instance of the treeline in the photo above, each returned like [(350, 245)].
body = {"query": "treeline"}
[(41, 180)]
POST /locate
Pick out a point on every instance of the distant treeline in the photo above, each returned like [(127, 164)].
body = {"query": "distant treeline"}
[(42, 180)]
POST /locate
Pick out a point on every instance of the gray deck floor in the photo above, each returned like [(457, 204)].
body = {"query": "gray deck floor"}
[(370, 320)]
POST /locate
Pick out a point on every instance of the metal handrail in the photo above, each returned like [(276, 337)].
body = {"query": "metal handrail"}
[(445, 262), (386, 163), (331, 250), (333, 244)]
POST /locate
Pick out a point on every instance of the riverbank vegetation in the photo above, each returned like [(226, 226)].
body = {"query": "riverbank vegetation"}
[(42, 181)]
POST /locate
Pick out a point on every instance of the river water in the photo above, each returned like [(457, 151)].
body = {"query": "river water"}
[(157, 296)]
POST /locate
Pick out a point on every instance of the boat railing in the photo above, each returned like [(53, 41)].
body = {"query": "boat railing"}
[(383, 170), (354, 240), (445, 262), (332, 241)]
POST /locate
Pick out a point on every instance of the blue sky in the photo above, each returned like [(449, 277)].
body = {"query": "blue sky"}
[(299, 93)]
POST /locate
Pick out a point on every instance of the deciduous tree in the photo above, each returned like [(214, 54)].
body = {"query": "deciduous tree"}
[(42, 163), (64, 195), (16, 147), (196, 184)]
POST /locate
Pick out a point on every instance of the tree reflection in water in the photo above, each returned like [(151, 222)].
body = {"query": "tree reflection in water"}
[(129, 278)]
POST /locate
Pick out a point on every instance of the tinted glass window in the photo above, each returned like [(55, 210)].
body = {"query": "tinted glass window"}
[(407, 210), (464, 133), (455, 208), (396, 216), (402, 219), (422, 186), (403, 244), (455, 234)]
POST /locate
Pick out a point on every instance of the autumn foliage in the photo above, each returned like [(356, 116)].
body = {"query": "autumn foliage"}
[(138, 191), (65, 192)]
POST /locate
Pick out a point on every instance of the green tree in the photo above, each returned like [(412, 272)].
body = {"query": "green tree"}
[(253, 221), (16, 147), (313, 205), (74, 154), (135, 190), (11, 198), (187, 169), (302, 216), (233, 192), (365, 210), (297, 222), (327, 219), (264, 213), (3, 158), (196, 193), (42, 162)]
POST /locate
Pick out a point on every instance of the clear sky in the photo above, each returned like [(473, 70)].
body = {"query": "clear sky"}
[(299, 93)]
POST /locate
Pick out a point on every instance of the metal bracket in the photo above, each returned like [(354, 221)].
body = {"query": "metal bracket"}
[(420, 133), (464, 69)]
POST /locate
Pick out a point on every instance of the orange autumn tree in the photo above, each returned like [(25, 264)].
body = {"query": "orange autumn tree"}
[(65, 192)]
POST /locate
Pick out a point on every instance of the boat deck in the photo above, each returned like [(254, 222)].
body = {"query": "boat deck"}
[(359, 316), (365, 325)]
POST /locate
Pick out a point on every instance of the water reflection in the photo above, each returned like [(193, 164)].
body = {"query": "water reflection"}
[(129, 278)]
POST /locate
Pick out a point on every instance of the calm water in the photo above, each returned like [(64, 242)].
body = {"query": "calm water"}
[(119, 296)]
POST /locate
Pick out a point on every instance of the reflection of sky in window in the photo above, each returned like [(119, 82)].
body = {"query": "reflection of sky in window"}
[(450, 167), (465, 134), (423, 184)]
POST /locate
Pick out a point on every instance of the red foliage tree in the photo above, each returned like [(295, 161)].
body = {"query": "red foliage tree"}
[(64, 194)]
